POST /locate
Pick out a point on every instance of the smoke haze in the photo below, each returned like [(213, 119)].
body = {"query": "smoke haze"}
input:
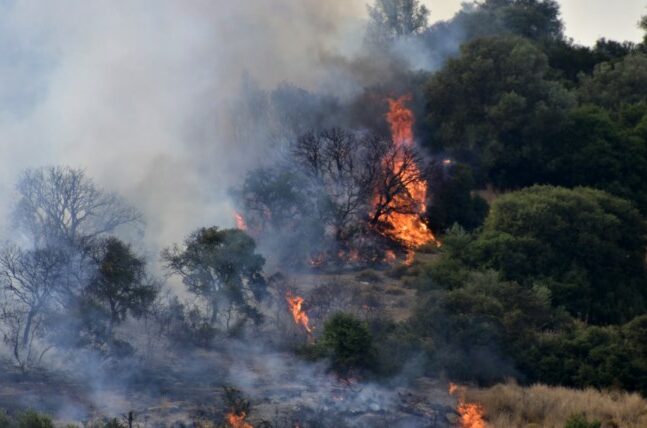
[(135, 92)]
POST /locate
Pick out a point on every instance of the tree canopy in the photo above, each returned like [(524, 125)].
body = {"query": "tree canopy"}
[(223, 268), (586, 246)]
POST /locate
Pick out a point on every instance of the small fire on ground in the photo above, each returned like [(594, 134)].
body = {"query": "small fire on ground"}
[(472, 415), (295, 304), (235, 420)]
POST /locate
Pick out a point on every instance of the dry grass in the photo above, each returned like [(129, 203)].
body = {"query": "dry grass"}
[(510, 405)]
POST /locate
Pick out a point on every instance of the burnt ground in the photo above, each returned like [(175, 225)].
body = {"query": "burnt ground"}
[(169, 387)]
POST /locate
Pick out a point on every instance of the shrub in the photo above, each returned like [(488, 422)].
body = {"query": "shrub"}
[(32, 419), (4, 419), (580, 421), (348, 343), (511, 405)]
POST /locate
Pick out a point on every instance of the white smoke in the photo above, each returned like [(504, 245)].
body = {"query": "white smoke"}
[(134, 92)]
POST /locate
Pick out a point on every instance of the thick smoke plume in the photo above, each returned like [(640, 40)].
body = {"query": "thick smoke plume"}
[(136, 92)]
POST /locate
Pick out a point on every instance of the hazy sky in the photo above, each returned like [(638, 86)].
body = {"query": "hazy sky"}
[(586, 20)]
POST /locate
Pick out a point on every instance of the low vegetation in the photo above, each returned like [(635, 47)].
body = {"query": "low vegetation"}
[(511, 405)]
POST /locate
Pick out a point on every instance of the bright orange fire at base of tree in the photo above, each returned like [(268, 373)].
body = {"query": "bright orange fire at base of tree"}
[(407, 227), (472, 415), (238, 420), (300, 317)]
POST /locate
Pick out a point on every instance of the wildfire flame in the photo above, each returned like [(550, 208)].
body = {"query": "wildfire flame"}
[(407, 227), (295, 304), (240, 221), (390, 256), (238, 420), (471, 414)]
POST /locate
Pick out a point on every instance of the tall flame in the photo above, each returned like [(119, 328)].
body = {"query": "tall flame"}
[(407, 227), (235, 420), (300, 316), (471, 414)]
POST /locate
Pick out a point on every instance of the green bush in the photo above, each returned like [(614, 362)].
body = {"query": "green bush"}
[(32, 419), (586, 246), (580, 421), (348, 343), (4, 419)]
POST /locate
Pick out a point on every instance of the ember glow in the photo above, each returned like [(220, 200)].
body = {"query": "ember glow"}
[(472, 415), (407, 228), (317, 261), (240, 221), (300, 317), (238, 420)]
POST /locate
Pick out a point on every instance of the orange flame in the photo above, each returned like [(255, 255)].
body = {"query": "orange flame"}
[(295, 304), (238, 420), (317, 261), (411, 257), (240, 221), (407, 227), (472, 415)]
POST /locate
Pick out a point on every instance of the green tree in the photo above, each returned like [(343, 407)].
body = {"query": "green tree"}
[(616, 83), (595, 149), (348, 343), (223, 268), (390, 19), (480, 318), (31, 419), (121, 285), (586, 246), (494, 107), (453, 200), (537, 20)]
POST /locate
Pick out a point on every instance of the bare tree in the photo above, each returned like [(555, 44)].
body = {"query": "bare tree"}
[(29, 280), (392, 188), (342, 166), (62, 205)]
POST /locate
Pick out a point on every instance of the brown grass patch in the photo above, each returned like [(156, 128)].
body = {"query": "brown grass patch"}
[(510, 405)]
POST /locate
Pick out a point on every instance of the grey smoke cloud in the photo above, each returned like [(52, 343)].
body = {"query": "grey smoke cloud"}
[(134, 91)]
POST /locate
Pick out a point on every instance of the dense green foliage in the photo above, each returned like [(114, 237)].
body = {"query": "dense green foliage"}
[(585, 246), (553, 286), (348, 343), (495, 107), (453, 200), (580, 421), (223, 268), (520, 297)]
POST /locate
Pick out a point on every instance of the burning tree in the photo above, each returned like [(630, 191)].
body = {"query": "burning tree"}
[(400, 199), (341, 195), (222, 267)]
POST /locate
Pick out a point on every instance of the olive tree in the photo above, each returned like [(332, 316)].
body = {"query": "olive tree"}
[(221, 267)]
